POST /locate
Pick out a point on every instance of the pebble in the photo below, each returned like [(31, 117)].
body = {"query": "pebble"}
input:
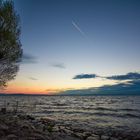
[(92, 138), (12, 137), (112, 138), (37, 136), (3, 127), (103, 137), (25, 127)]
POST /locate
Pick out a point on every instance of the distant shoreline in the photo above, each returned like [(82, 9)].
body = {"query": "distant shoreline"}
[(22, 94)]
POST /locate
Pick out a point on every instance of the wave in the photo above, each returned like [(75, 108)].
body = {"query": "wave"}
[(91, 114), (117, 109)]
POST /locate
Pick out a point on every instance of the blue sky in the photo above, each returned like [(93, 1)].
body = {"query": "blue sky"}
[(63, 38)]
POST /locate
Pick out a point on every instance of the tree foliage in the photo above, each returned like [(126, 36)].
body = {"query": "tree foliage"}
[(10, 46)]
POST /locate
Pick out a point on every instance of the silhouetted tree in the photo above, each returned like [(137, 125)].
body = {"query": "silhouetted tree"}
[(10, 46)]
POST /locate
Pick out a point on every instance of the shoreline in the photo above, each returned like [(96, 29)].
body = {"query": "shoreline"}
[(20, 126)]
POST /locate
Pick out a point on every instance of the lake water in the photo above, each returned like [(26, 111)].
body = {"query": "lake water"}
[(88, 112)]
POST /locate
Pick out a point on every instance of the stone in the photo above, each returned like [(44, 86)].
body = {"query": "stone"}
[(4, 127), (71, 138), (37, 136), (2, 133), (46, 120), (77, 129), (55, 129), (25, 126), (103, 137), (87, 133), (64, 137), (79, 135), (137, 138), (112, 138), (93, 138), (28, 117), (56, 136), (3, 110), (12, 137)]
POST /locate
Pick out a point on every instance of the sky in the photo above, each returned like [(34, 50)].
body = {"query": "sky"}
[(62, 39)]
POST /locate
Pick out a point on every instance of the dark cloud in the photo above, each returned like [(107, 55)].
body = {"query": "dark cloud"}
[(128, 76), (58, 65), (85, 76), (28, 59), (129, 88), (32, 78)]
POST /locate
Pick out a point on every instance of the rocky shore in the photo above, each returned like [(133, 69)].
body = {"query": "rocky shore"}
[(26, 127)]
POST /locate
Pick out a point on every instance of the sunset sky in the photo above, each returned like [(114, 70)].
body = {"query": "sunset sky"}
[(65, 38)]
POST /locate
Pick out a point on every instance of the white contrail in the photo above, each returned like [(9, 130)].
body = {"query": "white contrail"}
[(78, 28)]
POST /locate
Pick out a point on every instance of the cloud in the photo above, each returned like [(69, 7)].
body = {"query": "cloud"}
[(32, 78), (28, 59), (128, 76), (58, 65), (123, 87), (85, 76), (78, 28), (129, 88)]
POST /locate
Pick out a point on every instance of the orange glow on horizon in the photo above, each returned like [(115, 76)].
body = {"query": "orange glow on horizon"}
[(24, 87)]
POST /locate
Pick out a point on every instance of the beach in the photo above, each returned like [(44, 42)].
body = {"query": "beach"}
[(26, 127)]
